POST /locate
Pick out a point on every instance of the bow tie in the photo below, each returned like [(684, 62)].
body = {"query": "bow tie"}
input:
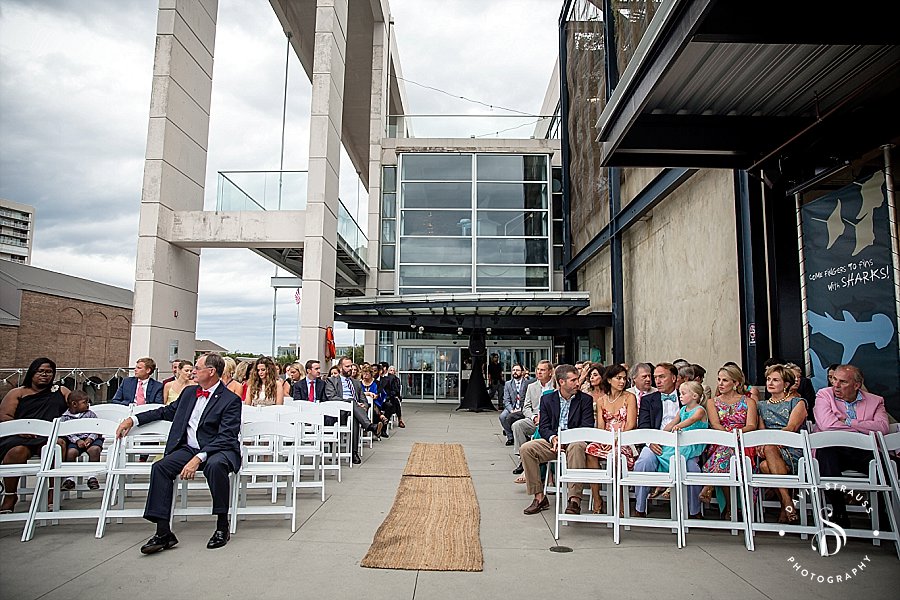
[(673, 397), (202, 393)]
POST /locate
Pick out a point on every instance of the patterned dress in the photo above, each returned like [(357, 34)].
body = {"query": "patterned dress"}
[(776, 416), (731, 416), (613, 422)]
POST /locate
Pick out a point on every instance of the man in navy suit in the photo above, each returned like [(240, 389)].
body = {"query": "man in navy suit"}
[(311, 389), (566, 408), (206, 423), (140, 389), (657, 410)]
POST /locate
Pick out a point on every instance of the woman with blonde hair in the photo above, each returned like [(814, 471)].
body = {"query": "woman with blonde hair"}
[(263, 387), (228, 376), (183, 376), (293, 373)]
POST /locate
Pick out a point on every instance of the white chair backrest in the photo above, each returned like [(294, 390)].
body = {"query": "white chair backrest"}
[(893, 428), (306, 418), (112, 412), (850, 439), (26, 427), (587, 434), (269, 428), (314, 408), (708, 436), (139, 408), (647, 436), (156, 428), (276, 410), (334, 408), (777, 437), (892, 442), (104, 427), (250, 414)]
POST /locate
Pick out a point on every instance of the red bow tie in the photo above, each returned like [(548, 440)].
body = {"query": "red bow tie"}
[(202, 393)]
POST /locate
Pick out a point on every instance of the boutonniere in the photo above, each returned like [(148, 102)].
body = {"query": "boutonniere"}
[(55, 388)]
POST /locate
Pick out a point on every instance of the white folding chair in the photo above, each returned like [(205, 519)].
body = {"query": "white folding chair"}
[(333, 436), (112, 412), (53, 467), (890, 447), (801, 481), (733, 481), (141, 439), (31, 468), (871, 483), (605, 475), (667, 479), (308, 446), (139, 408), (280, 433)]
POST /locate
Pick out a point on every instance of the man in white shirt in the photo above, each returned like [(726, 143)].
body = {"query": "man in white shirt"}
[(140, 389), (523, 429), (206, 424)]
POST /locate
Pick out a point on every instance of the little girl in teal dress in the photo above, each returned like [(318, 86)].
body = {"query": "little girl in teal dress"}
[(690, 416)]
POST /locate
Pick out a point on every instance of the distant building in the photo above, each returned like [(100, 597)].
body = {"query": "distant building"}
[(75, 322), (16, 231), (206, 346), (289, 350)]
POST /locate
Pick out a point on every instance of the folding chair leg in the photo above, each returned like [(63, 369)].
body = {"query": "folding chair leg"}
[(36, 500), (108, 495)]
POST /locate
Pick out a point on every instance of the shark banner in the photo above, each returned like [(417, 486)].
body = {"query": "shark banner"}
[(851, 308)]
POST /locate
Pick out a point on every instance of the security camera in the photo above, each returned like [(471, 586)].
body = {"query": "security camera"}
[(459, 331)]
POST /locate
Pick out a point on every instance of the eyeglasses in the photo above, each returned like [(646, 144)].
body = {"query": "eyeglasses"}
[(45, 371)]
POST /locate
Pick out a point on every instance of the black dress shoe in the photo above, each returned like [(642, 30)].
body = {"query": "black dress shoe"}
[(159, 542), (373, 427), (519, 470), (219, 538), (355, 459), (509, 442)]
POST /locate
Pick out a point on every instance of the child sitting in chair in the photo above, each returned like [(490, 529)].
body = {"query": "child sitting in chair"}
[(76, 445)]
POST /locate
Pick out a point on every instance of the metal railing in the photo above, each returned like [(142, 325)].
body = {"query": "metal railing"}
[(469, 126), (99, 383)]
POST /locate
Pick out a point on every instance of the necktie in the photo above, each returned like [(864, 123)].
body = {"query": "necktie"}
[(139, 397), (312, 391), (202, 393), (673, 397)]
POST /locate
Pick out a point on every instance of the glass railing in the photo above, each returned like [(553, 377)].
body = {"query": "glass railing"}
[(469, 126), (261, 190), (282, 190)]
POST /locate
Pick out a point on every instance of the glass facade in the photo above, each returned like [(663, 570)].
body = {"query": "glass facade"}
[(469, 223), (388, 218)]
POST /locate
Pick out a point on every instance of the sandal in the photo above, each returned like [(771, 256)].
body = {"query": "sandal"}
[(666, 495), (706, 495), (93, 484), (401, 424), (788, 516), (655, 493), (599, 508), (520, 479), (68, 484)]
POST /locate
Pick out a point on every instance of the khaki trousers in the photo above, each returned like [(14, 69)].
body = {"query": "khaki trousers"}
[(538, 451)]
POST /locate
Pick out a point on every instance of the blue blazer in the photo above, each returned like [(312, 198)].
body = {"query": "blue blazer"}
[(581, 413), (651, 412), (126, 391), (300, 390), (219, 428)]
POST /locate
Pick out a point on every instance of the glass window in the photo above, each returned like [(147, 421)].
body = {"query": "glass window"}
[(437, 195), (389, 206), (436, 290), (504, 167), (436, 276), (557, 180), (557, 231), (447, 386), (389, 181), (431, 250), (416, 359), (557, 258), (448, 359), (436, 222), (512, 276), (512, 195), (557, 206), (437, 167), (506, 251), (511, 223), (388, 231), (387, 257)]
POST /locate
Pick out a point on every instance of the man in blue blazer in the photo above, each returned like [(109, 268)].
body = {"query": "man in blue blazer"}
[(206, 423), (566, 408), (140, 389), (301, 390)]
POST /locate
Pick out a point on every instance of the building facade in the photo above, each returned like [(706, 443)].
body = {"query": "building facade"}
[(16, 231)]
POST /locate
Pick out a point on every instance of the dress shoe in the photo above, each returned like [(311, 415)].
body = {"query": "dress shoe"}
[(640, 514), (355, 459), (219, 538), (519, 470), (537, 506), (373, 427), (384, 434), (573, 508), (509, 442), (159, 542)]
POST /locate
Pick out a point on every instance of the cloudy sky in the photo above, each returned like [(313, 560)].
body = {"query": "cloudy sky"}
[(74, 99)]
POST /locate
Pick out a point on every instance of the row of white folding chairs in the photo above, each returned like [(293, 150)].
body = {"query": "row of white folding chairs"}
[(741, 479)]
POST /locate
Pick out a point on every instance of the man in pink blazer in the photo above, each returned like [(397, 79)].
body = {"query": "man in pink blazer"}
[(845, 407)]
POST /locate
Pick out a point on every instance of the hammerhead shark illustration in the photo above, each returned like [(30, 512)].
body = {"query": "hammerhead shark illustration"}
[(850, 333)]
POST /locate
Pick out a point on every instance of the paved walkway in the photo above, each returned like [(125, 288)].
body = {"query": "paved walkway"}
[(321, 560)]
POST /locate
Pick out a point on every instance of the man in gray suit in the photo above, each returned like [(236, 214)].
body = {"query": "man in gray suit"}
[(513, 397), (344, 387), (524, 429)]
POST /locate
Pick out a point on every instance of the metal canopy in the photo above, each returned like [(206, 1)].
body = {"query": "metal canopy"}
[(716, 83), (543, 313)]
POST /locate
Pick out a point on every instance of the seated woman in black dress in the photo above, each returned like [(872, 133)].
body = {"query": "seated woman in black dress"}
[(37, 398)]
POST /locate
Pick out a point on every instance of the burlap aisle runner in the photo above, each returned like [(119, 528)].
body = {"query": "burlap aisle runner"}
[(434, 522)]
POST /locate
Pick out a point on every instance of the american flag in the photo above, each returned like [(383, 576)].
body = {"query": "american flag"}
[(297, 296)]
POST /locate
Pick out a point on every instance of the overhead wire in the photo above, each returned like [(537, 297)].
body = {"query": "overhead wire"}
[(452, 95)]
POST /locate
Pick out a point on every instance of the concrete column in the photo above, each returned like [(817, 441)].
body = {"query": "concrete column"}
[(166, 276), (377, 123), (320, 242)]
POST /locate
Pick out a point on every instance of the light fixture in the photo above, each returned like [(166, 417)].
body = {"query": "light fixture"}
[(488, 331), (421, 329), (459, 331), (527, 331)]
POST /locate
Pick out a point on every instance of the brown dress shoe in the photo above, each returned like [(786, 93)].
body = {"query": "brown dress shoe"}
[(537, 506), (573, 508)]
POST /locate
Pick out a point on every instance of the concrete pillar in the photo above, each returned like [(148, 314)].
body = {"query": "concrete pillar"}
[(377, 123), (320, 242), (166, 276)]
